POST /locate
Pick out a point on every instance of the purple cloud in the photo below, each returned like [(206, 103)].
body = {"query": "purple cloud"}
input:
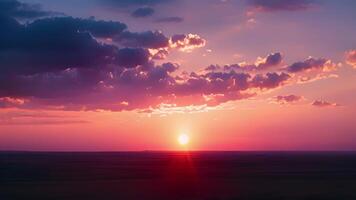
[(55, 44), (311, 64), (270, 80), (287, 99), (112, 88), (323, 104), (280, 5), (148, 39), (86, 64), (170, 20), (21, 10), (186, 42), (128, 3), (269, 62), (143, 12)]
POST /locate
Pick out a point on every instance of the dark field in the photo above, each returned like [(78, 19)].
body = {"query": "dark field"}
[(174, 175)]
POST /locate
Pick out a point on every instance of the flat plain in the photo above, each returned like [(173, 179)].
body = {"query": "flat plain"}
[(178, 175)]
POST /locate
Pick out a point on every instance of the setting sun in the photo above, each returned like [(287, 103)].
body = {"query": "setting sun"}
[(183, 139)]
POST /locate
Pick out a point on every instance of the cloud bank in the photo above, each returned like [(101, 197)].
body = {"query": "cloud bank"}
[(66, 63), (21, 10)]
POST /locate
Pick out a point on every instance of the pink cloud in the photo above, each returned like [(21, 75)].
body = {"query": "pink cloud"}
[(288, 99), (351, 58), (322, 104)]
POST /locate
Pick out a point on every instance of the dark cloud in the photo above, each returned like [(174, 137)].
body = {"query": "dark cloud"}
[(158, 41), (170, 20), (212, 68), (160, 54), (143, 12), (187, 42), (322, 104), (86, 64), (280, 5), (14, 8), (56, 44), (286, 99), (127, 3), (148, 39), (310, 64), (131, 57), (98, 28), (82, 64), (270, 80), (139, 87), (269, 62)]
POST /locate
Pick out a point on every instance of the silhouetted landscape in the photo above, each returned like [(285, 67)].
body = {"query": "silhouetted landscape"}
[(178, 175)]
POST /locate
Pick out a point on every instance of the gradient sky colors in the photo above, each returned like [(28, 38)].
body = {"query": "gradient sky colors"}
[(135, 74)]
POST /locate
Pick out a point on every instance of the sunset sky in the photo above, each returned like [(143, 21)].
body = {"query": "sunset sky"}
[(124, 75)]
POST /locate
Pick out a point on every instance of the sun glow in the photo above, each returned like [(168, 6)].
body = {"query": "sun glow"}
[(183, 139)]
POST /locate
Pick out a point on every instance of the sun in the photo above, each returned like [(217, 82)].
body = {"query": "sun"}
[(183, 139)]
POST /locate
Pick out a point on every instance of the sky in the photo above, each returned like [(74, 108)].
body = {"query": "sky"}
[(133, 75)]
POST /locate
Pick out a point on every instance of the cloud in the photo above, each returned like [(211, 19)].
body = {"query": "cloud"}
[(315, 77), (322, 104), (55, 44), (9, 102), (187, 42), (168, 109), (24, 117), (287, 99), (280, 5), (112, 88), (128, 3), (267, 63), (98, 28), (14, 8), (271, 60), (310, 64), (157, 43), (170, 20), (213, 68), (270, 80), (58, 43), (132, 57), (351, 58), (143, 12), (159, 54), (148, 39), (66, 63)]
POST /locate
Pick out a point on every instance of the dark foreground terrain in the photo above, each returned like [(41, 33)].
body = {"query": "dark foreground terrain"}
[(177, 175)]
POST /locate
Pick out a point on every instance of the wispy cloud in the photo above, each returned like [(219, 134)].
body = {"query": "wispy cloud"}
[(170, 20), (22, 117)]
